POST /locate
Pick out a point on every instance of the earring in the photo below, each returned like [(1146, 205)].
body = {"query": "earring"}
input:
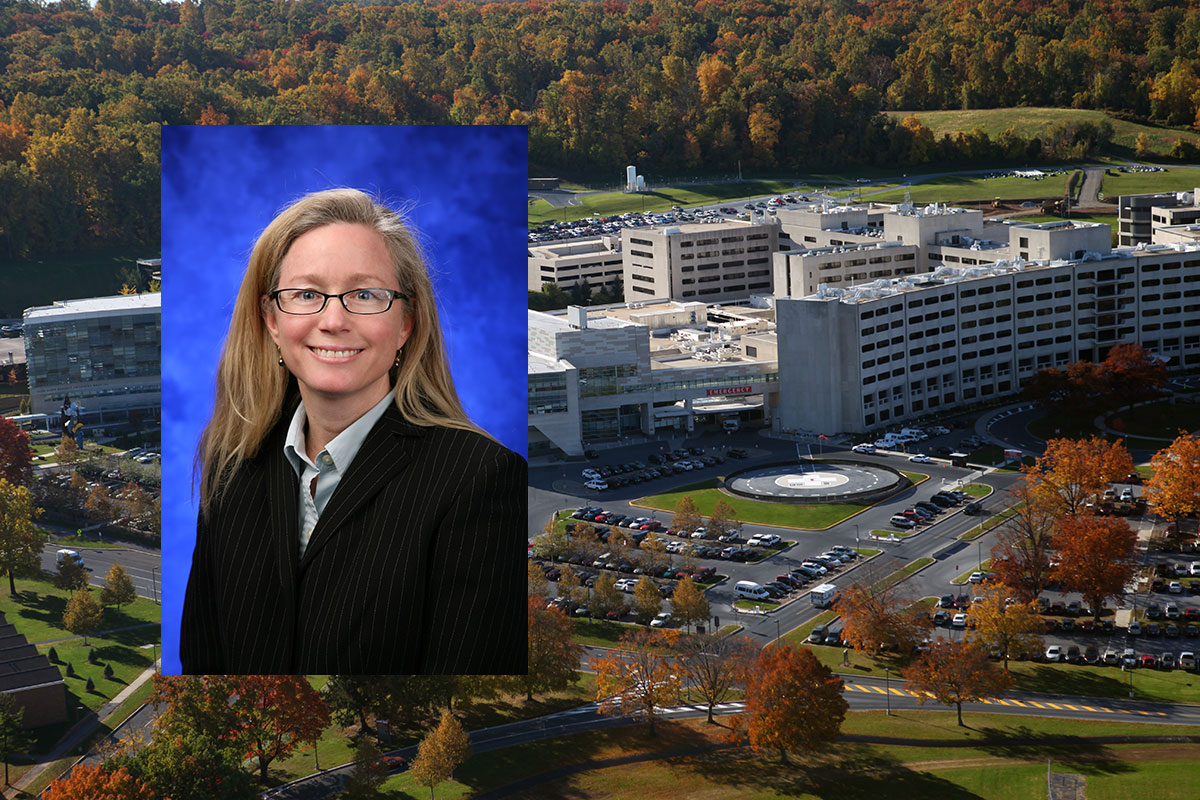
[(399, 353), (279, 353)]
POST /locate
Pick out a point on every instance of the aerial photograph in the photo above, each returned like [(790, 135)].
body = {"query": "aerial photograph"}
[(863, 388)]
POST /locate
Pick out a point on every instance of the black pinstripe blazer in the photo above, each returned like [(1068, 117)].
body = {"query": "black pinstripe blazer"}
[(415, 565)]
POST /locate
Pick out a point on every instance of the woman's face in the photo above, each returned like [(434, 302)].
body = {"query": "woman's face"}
[(335, 355)]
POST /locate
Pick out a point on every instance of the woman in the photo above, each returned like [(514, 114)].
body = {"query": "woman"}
[(352, 519)]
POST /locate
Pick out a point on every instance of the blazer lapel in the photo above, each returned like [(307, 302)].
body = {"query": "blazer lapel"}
[(283, 495), (384, 453)]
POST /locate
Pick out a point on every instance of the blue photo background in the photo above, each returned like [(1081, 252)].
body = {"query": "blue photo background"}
[(221, 185)]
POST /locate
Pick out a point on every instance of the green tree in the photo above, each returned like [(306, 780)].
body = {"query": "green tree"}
[(368, 774), (13, 738), (440, 753), (118, 587), (187, 765), (21, 541), (71, 575), (538, 585), (83, 614)]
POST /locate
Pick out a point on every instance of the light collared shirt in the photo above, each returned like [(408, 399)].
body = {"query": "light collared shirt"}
[(331, 463)]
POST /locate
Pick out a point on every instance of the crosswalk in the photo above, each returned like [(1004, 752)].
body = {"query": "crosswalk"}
[(869, 689)]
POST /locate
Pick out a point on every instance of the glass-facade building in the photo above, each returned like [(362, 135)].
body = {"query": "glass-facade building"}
[(102, 352)]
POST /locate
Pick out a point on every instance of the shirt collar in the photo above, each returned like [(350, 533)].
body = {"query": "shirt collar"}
[(342, 448)]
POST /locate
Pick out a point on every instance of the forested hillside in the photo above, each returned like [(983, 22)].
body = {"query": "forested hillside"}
[(676, 84)]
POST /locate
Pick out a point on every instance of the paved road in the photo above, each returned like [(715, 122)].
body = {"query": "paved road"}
[(142, 564)]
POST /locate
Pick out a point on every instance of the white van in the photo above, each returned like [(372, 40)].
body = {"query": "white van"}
[(64, 556), (750, 591)]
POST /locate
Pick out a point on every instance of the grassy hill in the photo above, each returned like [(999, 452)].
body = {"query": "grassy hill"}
[(1029, 122)]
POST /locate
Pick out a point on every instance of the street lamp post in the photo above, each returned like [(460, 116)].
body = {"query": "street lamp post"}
[(777, 629), (887, 684)]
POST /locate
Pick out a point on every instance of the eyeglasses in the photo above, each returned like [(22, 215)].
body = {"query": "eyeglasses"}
[(355, 301)]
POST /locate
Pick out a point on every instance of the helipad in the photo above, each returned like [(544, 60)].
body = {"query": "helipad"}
[(815, 482)]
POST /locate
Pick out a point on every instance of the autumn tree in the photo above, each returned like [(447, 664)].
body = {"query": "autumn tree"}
[(689, 606), (21, 541), (265, 717), (89, 782), (1011, 628), (638, 676), (13, 738), (654, 549), (570, 589), (67, 451), (1073, 471), (99, 504), (880, 615), (605, 596), (1133, 373), (715, 666), (792, 701), (554, 543), (1096, 557), (686, 518), (118, 587), (440, 753), (83, 614), (538, 586), (955, 673), (16, 459), (553, 656), (1025, 543), (724, 519), (1174, 489), (647, 601)]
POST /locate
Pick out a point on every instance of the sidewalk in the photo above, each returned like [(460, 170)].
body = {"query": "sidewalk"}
[(82, 729)]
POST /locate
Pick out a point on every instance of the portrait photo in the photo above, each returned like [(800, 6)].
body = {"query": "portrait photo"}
[(344, 399)]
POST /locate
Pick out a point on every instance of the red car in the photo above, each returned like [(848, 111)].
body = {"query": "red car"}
[(393, 763), (1149, 661)]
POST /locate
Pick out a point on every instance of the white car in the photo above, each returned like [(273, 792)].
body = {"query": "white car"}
[(596, 486), (660, 619), (769, 539), (700, 533), (754, 541), (959, 620), (1054, 653), (591, 474), (1194, 569), (921, 458), (864, 447)]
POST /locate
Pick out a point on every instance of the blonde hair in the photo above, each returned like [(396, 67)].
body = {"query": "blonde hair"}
[(252, 388)]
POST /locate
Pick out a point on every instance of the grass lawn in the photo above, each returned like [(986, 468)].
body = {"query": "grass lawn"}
[(609, 203), (38, 609), (705, 495), (963, 188), (866, 551), (1030, 122), (126, 661), (1177, 179), (1162, 419), (998, 767), (61, 540), (978, 489), (751, 605), (335, 747), (898, 534), (600, 633)]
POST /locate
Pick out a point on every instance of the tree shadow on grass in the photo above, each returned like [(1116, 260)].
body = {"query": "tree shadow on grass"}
[(851, 772), (120, 654), (1076, 753), (1073, 682)]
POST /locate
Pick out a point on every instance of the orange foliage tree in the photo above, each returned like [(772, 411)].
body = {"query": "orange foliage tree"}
[(792, 701), (1174, 489), (1072, 471), (1096, 557), (954, 673), (16, 459), (881, 617), (553, 657), (1011, 628), (715, 665), (94, 782), (639, 675), (264, 716)]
